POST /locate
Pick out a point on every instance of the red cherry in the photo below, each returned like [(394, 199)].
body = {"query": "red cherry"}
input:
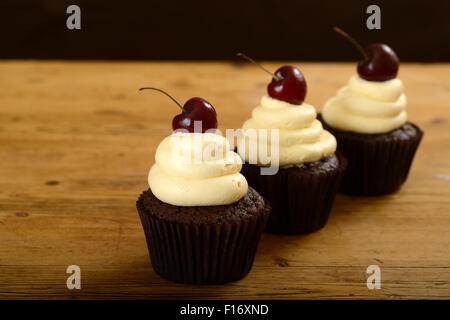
[(381, 65), (194, 110), (380, 62), (288, 83), (290, 87)]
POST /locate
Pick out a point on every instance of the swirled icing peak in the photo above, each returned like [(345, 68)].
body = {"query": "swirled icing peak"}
[(367, 107), (197, 169), (301, 137)]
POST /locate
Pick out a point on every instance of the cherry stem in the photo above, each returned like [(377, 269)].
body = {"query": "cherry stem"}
[(355, 43), (259, 66), (162, 91)]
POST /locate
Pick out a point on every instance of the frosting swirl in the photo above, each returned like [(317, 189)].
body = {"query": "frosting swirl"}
[(367, 106), (197, 169), (301, 136)]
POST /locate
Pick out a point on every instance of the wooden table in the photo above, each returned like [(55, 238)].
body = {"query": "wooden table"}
[(76, 144)]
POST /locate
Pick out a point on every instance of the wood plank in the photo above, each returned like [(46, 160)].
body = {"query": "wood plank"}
[(76, 143)]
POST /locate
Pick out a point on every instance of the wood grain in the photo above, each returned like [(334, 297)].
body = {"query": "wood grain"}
[(76, 143)]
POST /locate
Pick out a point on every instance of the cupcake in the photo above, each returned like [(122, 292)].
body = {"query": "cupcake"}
[(369, 120), (201, 220), (308, 171)]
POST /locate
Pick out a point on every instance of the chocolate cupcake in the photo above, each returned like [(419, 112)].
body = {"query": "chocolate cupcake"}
[(368, 118), (201, 221), (203, 244), (369, 121), (301, 195), (289, 158), (377, 163)]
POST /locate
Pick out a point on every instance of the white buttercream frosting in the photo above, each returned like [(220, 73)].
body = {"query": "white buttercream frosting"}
[(367, 106), (301, 136), (197, 169)]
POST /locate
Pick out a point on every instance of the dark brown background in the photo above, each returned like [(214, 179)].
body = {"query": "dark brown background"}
[(211, 30)]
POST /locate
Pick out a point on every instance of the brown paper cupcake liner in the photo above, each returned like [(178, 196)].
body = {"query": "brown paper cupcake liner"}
[(202, 253), (377, 163), (301, 197)]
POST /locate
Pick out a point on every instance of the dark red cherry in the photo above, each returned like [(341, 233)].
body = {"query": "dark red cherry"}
[(289, 87), (288, 83), (380, 62), (381, 65), (194, 110)]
